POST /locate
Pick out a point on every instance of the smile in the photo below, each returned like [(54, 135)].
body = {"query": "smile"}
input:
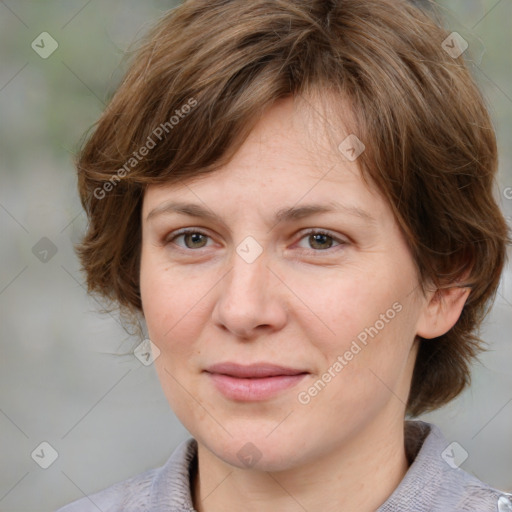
[(254, 382)]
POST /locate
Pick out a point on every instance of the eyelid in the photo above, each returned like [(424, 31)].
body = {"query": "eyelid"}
[(320, 231), (184, 231)]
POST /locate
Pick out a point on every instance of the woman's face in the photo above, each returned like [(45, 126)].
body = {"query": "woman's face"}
[(266, 278)]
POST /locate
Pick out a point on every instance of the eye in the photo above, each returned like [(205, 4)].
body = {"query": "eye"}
[(318, 240), (321, 240), (193, 238)]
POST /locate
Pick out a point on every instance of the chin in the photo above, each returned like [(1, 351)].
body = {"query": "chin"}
[(256, 451)]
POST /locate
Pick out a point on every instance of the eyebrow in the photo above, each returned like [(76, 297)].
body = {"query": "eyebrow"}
[(282, 215)]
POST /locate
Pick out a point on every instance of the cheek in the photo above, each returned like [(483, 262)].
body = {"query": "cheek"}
[(341, 308), (173, 304), (174, 315), (368, 321)]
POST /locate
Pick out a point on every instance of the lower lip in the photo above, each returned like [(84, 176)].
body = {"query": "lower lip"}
[(249, 390)]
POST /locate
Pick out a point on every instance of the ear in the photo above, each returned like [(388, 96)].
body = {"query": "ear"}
[(441, 311)]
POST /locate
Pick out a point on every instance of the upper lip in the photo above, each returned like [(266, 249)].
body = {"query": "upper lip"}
[(253, 370)]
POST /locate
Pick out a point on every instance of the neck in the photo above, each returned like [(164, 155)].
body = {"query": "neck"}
[(358, 475)]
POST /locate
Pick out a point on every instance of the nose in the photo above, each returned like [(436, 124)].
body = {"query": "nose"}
[(250, 299)]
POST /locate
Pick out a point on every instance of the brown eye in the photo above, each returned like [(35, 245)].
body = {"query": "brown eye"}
[(196, 240), (193, 239), (321, 241)]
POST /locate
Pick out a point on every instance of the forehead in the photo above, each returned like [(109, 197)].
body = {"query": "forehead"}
[(305, 132), (291, 156)]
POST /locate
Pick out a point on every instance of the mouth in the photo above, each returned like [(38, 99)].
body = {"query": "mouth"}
[(253, 382)]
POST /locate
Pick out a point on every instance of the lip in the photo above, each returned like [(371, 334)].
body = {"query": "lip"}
[(253, 382), (256, 370)]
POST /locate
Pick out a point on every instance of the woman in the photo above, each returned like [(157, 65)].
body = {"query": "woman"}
[(295, 197)]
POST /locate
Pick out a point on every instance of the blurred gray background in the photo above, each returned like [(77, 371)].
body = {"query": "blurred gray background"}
[(105, 415)]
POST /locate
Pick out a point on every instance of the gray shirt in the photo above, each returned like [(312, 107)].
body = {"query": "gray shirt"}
[(433, 482)]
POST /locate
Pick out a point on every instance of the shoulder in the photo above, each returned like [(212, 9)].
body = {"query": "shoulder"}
[(140, 492), (131, 494), (458, 489), (466, 493), (436, 483)]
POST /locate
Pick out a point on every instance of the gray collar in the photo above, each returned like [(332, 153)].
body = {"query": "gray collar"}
[(431, 484)]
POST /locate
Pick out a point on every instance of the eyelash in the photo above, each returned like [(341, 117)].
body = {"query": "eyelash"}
[(187, 231)]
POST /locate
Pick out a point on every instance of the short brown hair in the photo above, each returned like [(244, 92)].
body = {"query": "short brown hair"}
[(430, 145)]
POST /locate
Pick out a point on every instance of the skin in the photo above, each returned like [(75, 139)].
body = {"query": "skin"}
[(301, 303)]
